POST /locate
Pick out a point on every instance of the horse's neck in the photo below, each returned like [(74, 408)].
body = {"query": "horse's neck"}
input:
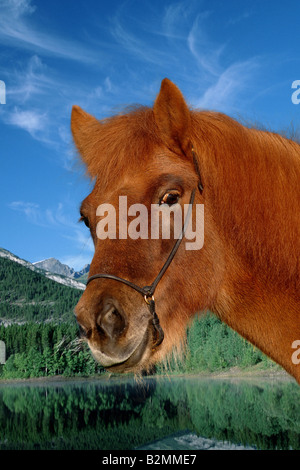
[(255, 194), (252, 189), (267, 318)]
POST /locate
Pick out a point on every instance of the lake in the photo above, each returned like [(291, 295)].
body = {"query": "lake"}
[(173, 413)]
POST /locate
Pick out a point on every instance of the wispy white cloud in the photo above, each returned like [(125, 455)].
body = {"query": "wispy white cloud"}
[(237, 19), (18, 8), (34, 80), (78, 236), (234, 81), (179, 45), (55, 219), (219, 86), (206, 54), (175, 44), (17, 29), (43, 101), (29, 120), (135, 45), (51, 218), (30, 209), (170, 18)]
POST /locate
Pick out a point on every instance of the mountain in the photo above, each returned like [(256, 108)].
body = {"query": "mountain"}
[(31, 294), (55, 266), (83, 274), (60, 278)]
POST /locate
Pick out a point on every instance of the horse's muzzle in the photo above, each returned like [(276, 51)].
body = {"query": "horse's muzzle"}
[(115, 342)]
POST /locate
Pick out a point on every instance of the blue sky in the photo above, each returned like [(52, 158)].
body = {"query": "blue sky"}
[(238, 57)]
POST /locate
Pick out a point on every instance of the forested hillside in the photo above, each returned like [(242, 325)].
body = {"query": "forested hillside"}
[(26, 295), (46, 349)]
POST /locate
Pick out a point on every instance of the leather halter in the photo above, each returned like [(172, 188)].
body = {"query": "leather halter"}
[(148, 291)]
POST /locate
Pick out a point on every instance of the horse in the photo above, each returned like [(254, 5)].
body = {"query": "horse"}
[(248, 269)]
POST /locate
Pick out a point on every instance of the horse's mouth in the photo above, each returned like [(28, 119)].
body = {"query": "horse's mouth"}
[(132, 359)]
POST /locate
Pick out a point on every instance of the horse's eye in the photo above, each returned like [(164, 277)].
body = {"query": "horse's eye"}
[(85, 220), (170, 198)]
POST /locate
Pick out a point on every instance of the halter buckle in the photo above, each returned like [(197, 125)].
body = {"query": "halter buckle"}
[(146, 297)]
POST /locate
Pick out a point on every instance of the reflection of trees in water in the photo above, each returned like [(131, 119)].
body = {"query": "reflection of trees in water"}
[(265, 415), (124, 415)]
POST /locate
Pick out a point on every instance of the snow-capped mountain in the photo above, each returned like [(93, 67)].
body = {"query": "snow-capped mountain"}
[(58, 277), (55, 266)]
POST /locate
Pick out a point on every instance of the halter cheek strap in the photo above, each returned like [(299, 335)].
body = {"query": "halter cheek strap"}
[(148, 291)]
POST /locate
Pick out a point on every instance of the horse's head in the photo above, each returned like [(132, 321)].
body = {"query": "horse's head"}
[(146, 155)]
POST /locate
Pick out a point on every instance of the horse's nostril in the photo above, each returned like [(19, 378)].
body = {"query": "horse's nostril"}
[(84, 332), (111, 323)]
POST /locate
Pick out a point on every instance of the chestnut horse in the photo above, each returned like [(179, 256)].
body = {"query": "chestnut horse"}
[(248, 270)]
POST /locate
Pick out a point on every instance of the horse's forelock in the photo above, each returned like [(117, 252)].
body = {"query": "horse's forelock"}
[(120, 144)]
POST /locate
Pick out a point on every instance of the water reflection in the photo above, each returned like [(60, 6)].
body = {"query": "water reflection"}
[(114, 414)]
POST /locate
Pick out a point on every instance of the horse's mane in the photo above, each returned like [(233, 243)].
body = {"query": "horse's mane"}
[(251, 180), (252, 183)]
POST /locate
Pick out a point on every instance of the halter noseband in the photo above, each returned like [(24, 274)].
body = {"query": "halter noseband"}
[(148, 291)]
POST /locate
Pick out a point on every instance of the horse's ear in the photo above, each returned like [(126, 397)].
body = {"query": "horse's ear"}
[(83, 126), (172, 117)]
